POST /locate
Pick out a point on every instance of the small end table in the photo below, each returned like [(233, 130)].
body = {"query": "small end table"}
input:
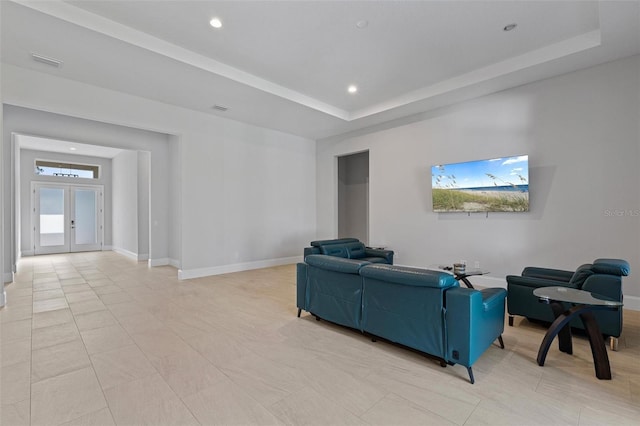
[(462, 277), (584, 303), (469, 273)]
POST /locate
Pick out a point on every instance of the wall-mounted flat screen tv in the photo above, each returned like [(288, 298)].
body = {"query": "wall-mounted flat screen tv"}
[(493, 185)]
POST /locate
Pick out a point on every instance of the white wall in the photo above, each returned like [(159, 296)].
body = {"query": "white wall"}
[(581, 133), (27, 175), (125, 203), (247, 194)]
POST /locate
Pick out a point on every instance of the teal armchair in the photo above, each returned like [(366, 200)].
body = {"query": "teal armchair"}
[(603, 277)]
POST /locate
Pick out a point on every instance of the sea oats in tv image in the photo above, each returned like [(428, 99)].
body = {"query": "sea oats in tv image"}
[(493, 185)]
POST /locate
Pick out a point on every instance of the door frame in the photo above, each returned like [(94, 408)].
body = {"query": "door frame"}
[(68, 188)]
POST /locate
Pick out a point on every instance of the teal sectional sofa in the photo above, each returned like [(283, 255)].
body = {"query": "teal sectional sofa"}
[(422, 309), (349, 248)]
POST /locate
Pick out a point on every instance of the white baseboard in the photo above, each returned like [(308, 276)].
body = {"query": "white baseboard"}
[(130, 254), (107, 248), (158, 262), (124, 252), (175, 263), (26, 253), (185, 274), (632, 303), (164, 261), (7, 277)]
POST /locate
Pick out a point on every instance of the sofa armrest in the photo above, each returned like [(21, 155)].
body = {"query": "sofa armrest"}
[(474, 319), (550, 274), (386, 254), (535, 282), (604, 285)]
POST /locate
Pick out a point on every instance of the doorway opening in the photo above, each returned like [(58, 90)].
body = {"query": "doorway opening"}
[(353, 196), (67, 218)]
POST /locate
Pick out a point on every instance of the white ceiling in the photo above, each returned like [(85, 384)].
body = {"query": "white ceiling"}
[(287, 64)]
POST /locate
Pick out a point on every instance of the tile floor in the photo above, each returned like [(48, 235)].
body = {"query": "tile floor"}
[(97, 339)]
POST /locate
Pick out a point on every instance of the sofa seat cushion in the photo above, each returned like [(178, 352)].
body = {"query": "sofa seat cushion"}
[(374, 259), (408, 276), (336, 264)]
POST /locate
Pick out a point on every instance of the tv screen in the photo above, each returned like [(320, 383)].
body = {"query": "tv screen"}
[(493, 185)]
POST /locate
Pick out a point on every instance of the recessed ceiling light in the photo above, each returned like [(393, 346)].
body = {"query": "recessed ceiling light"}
[(216, 23), (363, 23), (509, 27), (352, 89), (72, 148)]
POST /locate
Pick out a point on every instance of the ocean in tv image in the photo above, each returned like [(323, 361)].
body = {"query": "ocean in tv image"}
[(494, 185)]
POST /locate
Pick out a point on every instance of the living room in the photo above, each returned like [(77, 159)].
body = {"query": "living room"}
[(233, 195)]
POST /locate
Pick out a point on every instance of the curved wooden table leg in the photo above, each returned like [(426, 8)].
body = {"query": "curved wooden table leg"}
[(565, 343), (562, 320), (598, 347), (464, 279)]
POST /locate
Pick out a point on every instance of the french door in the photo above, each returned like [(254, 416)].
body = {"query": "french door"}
[(67, 218)]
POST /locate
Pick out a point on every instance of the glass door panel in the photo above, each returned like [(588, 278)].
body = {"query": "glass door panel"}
[(50, 209), (85, 224)]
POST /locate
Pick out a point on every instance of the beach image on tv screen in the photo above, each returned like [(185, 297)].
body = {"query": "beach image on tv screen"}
[(494, 185)]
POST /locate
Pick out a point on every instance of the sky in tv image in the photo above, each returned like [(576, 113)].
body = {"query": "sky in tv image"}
[(497, 172)]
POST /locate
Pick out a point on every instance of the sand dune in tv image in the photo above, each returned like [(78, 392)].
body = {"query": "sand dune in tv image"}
[(493, 185)]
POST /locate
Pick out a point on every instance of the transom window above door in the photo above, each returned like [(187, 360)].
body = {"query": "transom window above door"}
[(61, 169)]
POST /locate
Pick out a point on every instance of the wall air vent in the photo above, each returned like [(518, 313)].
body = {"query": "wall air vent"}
[(46, 60), (220, 108)]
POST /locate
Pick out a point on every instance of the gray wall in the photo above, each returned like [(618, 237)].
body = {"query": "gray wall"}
[(27, 175), (582, 136), (353, 196)]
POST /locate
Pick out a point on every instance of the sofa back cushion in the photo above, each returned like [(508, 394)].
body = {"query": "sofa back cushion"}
[(320, 243), (580, 275), (336, 264), (617, 267), (355, 250), (336, 250), (350, 250), (409, 276)]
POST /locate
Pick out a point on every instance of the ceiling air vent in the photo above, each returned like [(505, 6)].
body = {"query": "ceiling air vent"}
[(220, 108), (46, 60)]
